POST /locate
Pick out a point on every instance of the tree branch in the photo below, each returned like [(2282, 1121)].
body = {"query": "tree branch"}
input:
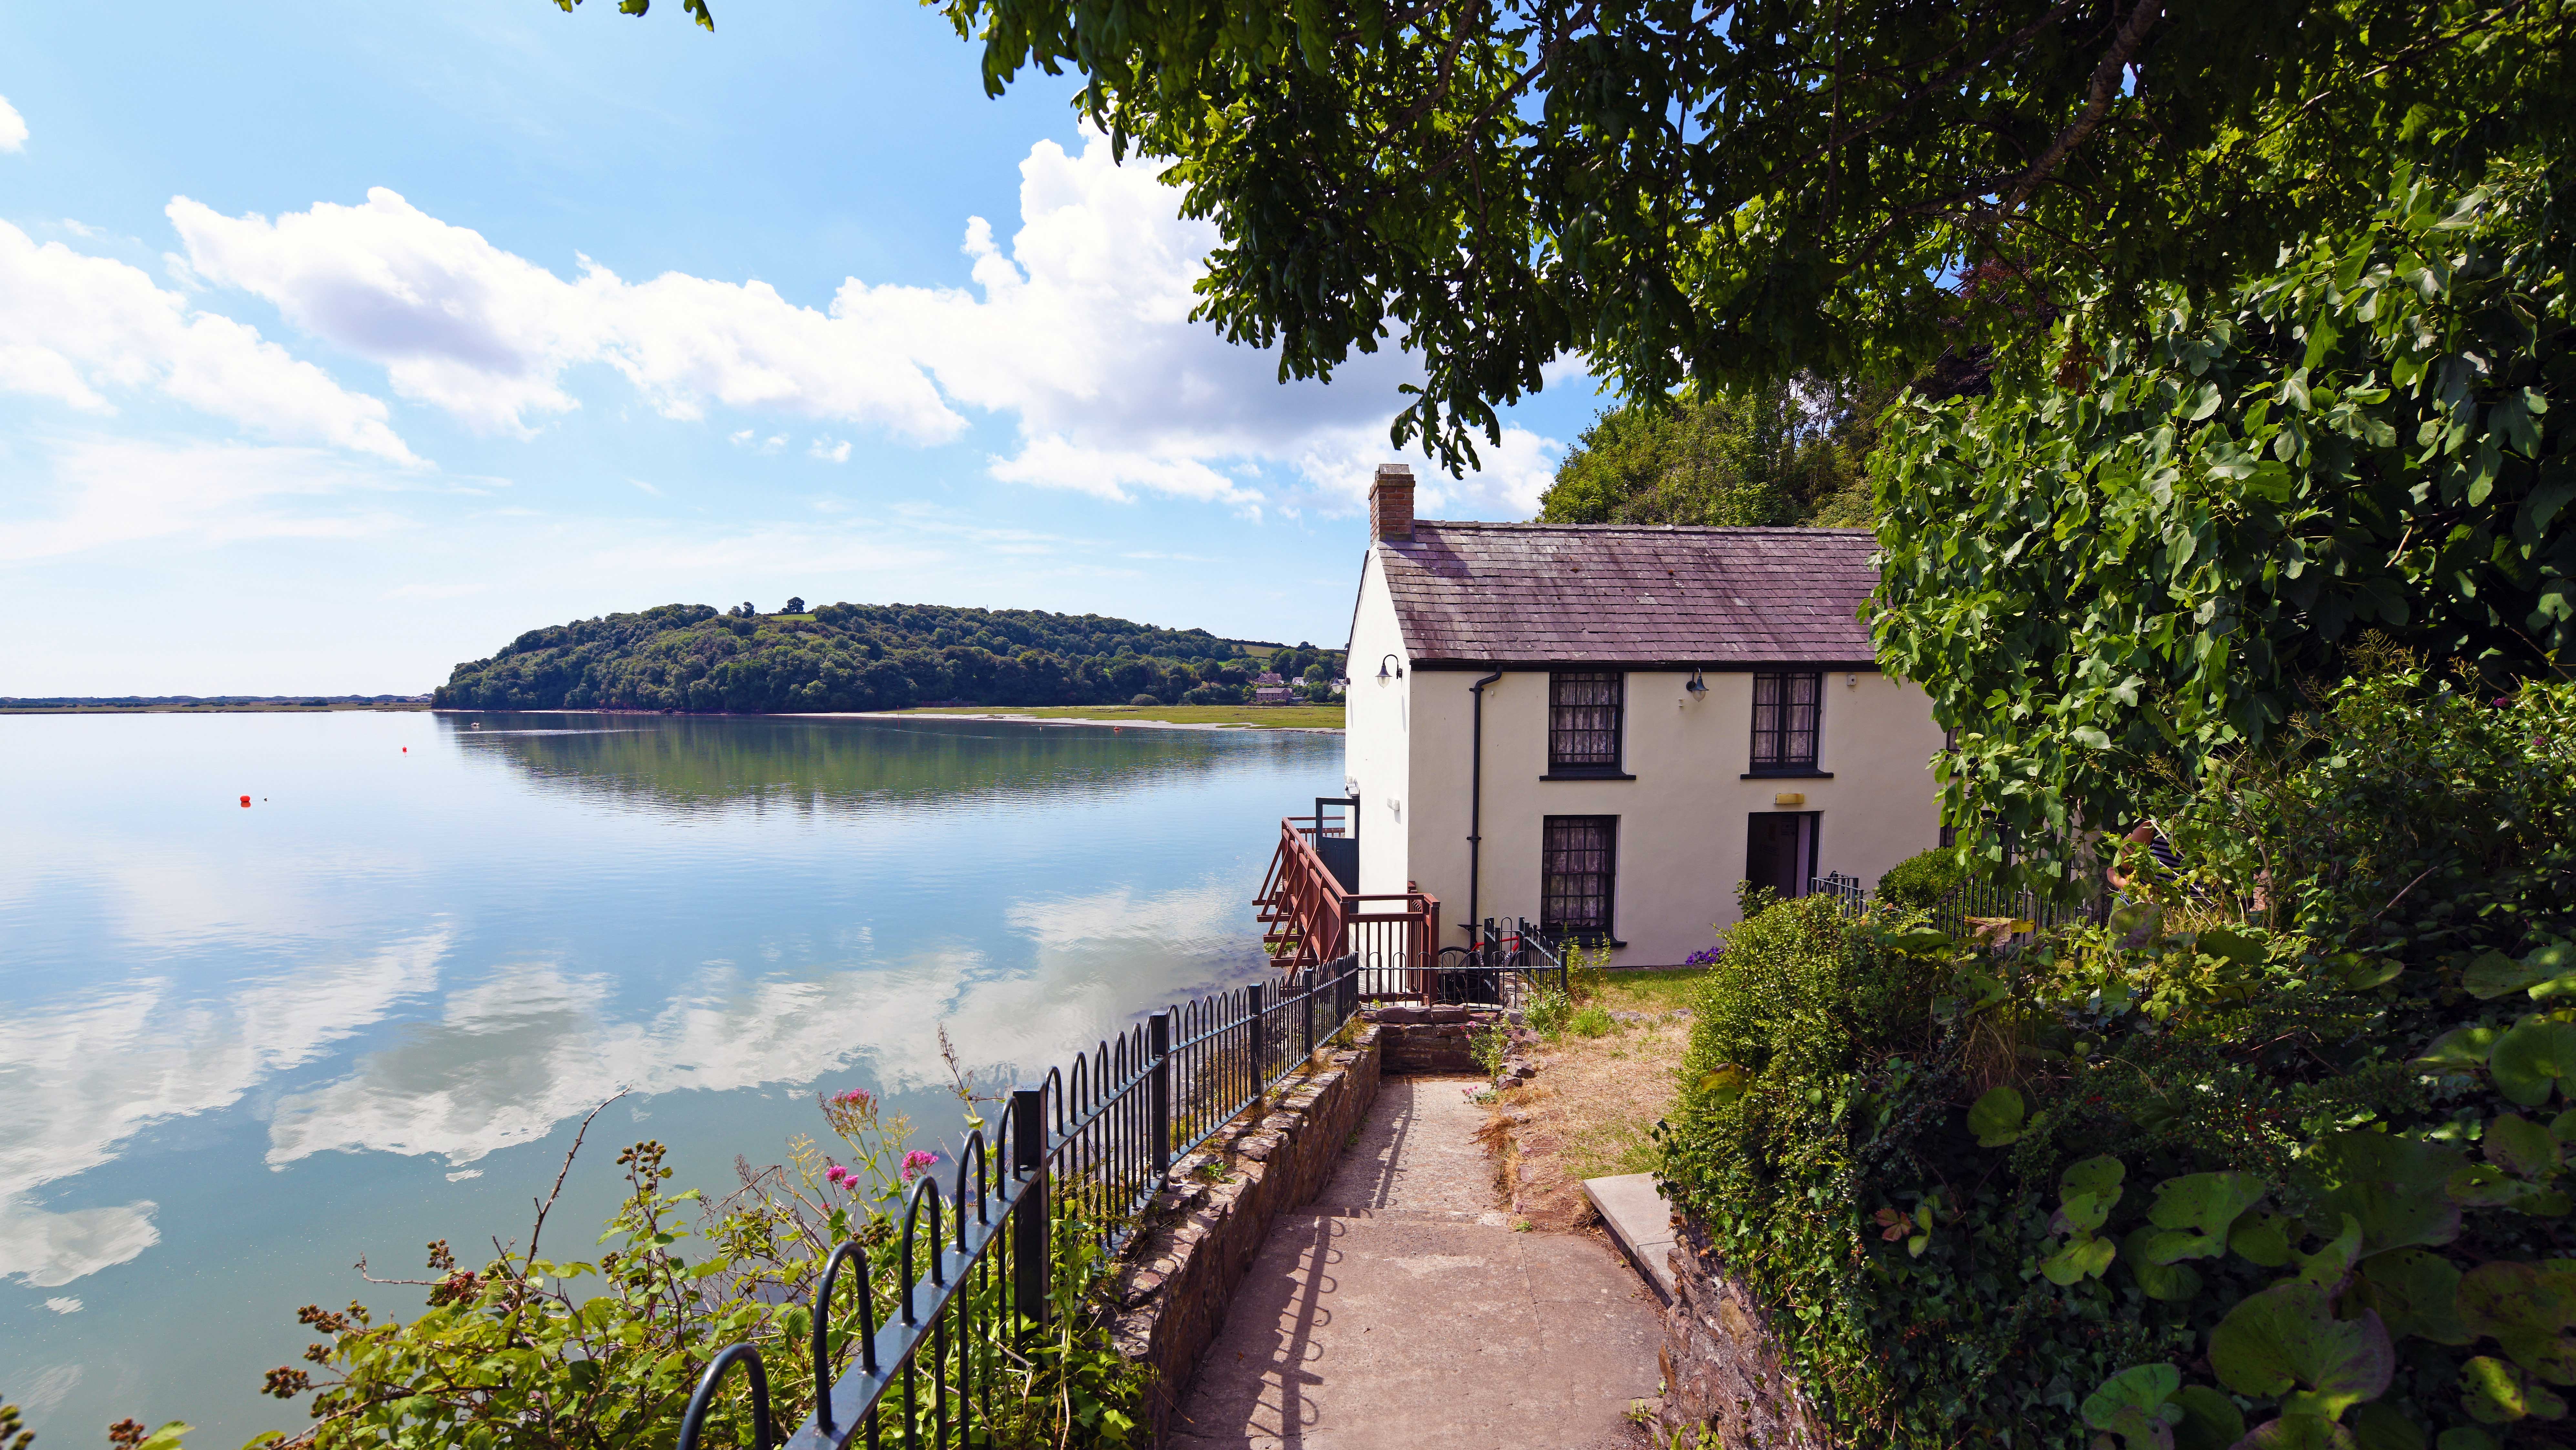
[(2104, 90)]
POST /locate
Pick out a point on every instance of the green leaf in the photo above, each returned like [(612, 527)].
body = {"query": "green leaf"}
[(2081, 1258), (2171, 1282), (2463, 1047), (2461, 1437), (2415, 1292), (2262, 1239), (2199, 1208), (2327, 1267), (2133, 1405), (2081, 1214), (2098, 1176), (1996, 1117), (2210, 1420), (2497, 1393), (2522, 1147), (2493, 974), (2380, 1425), (2528, 1309), (2392, 1186), (2298, 1432), (2242, 947), (2529, 1060), (2286, 1338)]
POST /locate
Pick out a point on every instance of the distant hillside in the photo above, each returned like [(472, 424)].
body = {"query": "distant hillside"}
[(860, 657)]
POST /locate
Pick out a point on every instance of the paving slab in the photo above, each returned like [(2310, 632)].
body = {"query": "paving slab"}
[(1403, 1309), (1640, 1223)]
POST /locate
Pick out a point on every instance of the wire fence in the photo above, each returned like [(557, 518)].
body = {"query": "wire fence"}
[(972, 1270), (1972, 908)]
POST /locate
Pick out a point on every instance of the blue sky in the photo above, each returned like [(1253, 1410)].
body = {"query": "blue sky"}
[(338, 345)]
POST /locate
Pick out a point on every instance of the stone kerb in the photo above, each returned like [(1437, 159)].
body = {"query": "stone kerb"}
[(1202, 1230)]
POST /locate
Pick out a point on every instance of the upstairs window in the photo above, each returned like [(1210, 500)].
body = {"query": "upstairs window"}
[(1583, 709), (1787, 707)]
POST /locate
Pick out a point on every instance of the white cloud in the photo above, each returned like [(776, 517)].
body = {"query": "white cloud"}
[(79, 329), (13, 127), (116, 491), (64, 1304), (487, 335), (1078, 330), (830, 451)]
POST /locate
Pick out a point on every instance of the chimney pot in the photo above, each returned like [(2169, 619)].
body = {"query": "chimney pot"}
[(1391, 504)]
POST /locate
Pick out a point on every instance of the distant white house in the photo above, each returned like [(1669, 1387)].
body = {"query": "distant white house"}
[(1604, 728)]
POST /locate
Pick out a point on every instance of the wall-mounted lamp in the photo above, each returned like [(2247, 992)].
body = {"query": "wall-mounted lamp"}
[(1381, 669), (1698, 687)]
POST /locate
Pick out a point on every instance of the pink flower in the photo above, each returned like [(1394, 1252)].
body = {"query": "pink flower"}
[(836, 1174), (915, 1161)]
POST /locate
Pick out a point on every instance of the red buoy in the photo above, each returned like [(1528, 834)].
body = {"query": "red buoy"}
[(245, 802)]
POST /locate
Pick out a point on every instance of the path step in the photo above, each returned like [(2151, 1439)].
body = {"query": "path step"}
[(1640, 1222)]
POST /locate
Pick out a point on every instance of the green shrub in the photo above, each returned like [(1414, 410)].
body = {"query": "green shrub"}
[(530, 1353), (1548, 1012), (1486, 1045), (1920, 881), (2300, 1112), (1593, 1021)]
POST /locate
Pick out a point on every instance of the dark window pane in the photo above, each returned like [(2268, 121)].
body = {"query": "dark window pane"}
[(1787, 712), (1579, 862), (1583, 719)]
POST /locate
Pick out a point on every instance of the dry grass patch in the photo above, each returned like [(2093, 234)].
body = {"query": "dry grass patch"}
[(1591, 1111)]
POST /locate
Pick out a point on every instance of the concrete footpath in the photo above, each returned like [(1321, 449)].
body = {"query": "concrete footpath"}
[(1401, 1309)]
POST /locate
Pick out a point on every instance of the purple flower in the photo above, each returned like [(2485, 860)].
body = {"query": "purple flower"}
[(915, 1161), (2502, 701)]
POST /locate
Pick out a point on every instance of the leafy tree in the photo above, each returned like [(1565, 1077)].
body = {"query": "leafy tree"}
[(1737, 192), (795, 605), (846, 657), (1788, 453), (2154, 560)]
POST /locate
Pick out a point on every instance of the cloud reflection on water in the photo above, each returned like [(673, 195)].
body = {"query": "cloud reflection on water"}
[(509, 1058), (84, 1076)]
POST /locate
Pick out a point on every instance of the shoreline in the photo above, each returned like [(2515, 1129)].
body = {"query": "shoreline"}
[(1017, 719)]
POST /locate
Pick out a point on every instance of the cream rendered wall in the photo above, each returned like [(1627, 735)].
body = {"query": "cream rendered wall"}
[(1376, 728), (1682, 820)]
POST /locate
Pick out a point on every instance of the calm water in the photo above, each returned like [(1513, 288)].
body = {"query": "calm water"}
[(241, 1048)]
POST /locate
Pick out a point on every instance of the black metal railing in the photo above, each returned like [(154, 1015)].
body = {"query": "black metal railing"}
[(1503, 963), (1089, 1148)]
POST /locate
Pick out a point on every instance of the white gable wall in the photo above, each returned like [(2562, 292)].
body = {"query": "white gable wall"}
[(1377, 729)]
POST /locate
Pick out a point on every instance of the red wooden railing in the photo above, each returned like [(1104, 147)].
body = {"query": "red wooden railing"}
[(1308, 918)]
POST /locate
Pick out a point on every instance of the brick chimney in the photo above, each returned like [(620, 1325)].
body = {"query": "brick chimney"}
[(1391, 505)]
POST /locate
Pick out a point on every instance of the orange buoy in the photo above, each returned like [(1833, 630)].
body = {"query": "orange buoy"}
[(245, 802)]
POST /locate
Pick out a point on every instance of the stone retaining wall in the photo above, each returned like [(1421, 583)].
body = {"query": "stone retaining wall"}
[(1203, 1229), (1431, 1039), (1724, 1380)]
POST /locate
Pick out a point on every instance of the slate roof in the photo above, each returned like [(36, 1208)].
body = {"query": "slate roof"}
[(1670, 596)]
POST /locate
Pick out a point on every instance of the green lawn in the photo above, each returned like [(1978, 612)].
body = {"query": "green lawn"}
[(1659, 990), (1276, 717)]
